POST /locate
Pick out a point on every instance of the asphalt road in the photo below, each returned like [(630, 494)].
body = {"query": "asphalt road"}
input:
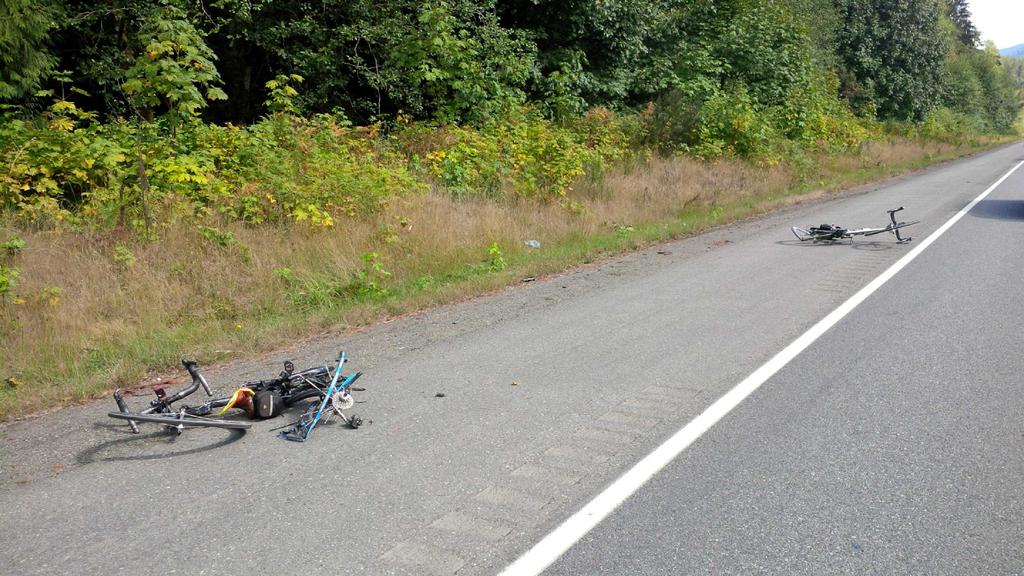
[(553, 389), (893, 445)]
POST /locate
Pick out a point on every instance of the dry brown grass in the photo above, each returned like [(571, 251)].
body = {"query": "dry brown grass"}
[(183, 295), (669, 187), (882, 156)]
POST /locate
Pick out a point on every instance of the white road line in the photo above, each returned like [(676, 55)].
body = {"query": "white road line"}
[(558, 541)]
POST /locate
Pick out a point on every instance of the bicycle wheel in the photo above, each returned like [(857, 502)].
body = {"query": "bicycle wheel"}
[(184, 421), (303, 393), (891, 228), (905, 224), (801, 234)]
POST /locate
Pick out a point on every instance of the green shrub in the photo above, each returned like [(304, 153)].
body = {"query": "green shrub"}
[(218, 237), (123, 256), (13, 246), (947, 125), (815, 118), (313, 171), (8, 280), (326, 290), (495, 259), (54, 161), (64, 167), (672, 122), (731, 124), (522, 155)]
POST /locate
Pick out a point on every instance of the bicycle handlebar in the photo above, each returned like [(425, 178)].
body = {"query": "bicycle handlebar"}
[(892, 217), (197, 380)]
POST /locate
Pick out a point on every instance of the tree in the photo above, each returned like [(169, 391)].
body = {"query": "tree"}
[(25, 59), (1002, 101), (460, 69), (371, 59), (820, 21), (978, 84), (760, 45), (605, 51), (174, 70), (98, 41), (891, 55), (960, 14), (1014, 68)]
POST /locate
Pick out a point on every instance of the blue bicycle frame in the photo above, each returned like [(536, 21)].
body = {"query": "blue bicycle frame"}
[(302, 430)]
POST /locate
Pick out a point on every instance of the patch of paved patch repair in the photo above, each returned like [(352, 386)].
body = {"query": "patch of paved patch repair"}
[(858, 271), (465, 524), (421, 558), (501, 497), (644, 406), (546, 474), (660, 393), (572, 457), (459, 541), (607, 437), (626, 421)]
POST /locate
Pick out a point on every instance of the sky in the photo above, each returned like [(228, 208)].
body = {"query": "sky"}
[(1001, 21)]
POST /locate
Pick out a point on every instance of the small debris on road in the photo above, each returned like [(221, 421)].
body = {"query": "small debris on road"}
[(529, 279), (664, 252), (532, 243), (439, 395)]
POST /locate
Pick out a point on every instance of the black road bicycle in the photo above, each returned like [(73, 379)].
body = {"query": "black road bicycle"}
[(832, 233), (258, 399)]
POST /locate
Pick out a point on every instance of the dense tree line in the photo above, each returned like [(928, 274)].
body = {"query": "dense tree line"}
[(464, 60)]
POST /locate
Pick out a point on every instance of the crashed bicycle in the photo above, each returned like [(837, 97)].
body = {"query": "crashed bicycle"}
[(831, 233), (256, 399)]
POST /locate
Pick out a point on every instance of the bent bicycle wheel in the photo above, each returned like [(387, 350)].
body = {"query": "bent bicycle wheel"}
[(186, 421), (891, 228)]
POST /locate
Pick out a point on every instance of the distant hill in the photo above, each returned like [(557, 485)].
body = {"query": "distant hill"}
[(1013, 52)]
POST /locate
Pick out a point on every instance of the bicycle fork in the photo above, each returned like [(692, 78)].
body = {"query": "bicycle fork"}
[(895, 226), (123, 407)]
